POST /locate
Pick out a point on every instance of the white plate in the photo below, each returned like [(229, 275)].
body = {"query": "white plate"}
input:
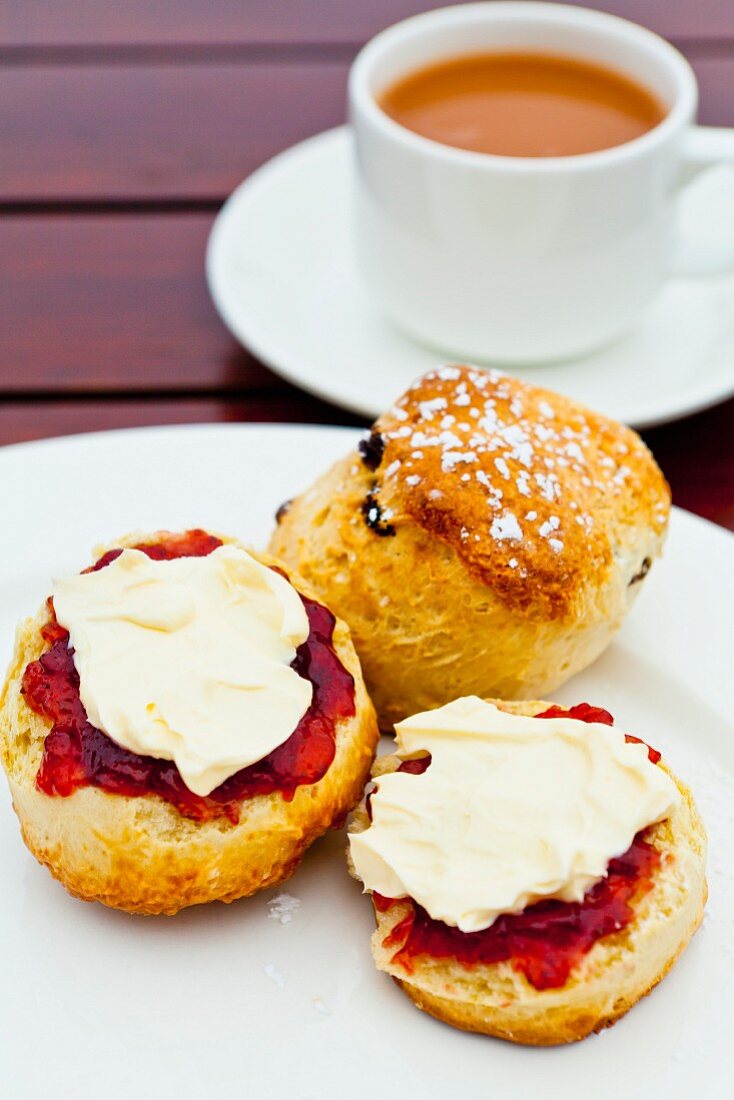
[(223, 1001), (281, 272)]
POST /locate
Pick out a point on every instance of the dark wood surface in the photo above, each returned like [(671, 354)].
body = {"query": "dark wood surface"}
[(123, 126), (186, 132), (203, 23)]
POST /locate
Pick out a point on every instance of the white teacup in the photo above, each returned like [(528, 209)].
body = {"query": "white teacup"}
[(514, 259)]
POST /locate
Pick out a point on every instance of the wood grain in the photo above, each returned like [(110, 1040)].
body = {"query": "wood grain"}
[(109, 303), (697, 455), (177, 133), (23, 421), (105, 321), (161, 132), (39, 23)]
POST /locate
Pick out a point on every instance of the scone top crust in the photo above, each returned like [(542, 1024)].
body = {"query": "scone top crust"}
[(534, 492)]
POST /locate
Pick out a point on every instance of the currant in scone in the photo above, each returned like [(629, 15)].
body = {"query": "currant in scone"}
[(487, 537)]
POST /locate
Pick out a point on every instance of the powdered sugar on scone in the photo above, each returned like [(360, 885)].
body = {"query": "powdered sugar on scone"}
[(525, 484)]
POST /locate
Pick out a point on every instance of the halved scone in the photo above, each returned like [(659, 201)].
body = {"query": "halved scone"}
[(122, 827), (555, 970)]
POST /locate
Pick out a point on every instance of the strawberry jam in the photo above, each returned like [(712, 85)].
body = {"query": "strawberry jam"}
[(76, 754), (547, 939)]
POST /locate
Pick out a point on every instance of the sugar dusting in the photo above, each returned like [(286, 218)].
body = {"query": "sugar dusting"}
[(283, 908), (271, 971), (488, 433)]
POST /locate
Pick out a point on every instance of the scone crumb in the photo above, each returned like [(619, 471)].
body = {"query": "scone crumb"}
[(274, 974), (283, 908)]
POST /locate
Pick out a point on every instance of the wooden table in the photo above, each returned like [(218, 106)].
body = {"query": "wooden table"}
[(123, 126)]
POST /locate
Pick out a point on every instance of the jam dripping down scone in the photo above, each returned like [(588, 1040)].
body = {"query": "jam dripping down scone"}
[(124, 827), (487, 537), (552, 971)]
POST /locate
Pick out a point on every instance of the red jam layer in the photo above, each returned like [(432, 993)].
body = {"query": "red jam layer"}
[(76, 754), (547, 939)]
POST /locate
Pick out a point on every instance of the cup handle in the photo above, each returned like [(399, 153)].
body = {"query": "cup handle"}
[(706, 147), (704, 239)]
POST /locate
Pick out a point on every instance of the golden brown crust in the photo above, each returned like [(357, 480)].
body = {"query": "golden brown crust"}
[(564, 1025), (402, 549), (619, 969), (466, 449), (141, 854)]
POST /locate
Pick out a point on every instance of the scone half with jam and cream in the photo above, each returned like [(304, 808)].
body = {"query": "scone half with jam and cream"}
[(180, 722), (534, 871), (486, 538)]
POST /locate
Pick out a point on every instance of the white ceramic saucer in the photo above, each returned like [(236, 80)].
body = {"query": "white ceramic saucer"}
[(281, 271)]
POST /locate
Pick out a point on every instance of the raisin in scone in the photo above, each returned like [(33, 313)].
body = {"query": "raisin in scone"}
[(488, 537)]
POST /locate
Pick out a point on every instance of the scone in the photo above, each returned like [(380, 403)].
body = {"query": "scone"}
[(543, 884), (236, 724), (487, 538)]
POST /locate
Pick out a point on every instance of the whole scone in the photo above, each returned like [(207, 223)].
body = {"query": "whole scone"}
[(487, 538), (142, 854), (496, 999)]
